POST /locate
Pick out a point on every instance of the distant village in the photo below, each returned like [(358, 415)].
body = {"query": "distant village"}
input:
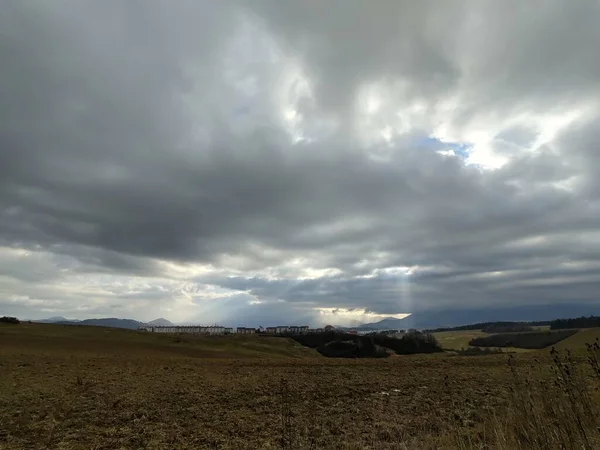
[(219, 330), (279, 330)]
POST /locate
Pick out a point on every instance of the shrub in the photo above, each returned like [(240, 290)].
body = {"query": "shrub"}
[(410, 343), (339, 349), (478, 351), (352, 349), (372, 346), (7, 319)]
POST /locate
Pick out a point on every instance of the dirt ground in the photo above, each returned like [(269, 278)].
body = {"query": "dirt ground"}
[(75, 388)]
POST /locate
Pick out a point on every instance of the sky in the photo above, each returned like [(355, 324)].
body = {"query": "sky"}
[(309, 161)]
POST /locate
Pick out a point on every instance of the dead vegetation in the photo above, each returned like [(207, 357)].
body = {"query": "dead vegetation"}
[(117, 389)]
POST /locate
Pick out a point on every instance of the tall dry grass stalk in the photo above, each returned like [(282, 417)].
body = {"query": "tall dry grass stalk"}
[(556, 412)]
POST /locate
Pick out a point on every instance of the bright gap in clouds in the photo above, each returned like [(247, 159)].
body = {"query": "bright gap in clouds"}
[(352, 317), (382, 112)]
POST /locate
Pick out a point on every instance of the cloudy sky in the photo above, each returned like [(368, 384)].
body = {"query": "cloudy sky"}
[(318, 161)]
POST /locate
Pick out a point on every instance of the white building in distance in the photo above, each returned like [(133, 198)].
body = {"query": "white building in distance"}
[(211, 331), (218, 330)]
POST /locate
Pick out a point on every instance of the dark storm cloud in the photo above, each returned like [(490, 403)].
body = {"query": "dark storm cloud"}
[(142, 132)]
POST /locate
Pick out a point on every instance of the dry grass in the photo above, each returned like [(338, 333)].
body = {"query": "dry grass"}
[(579, 339), (560, 412), (457, 340), (76, 388)]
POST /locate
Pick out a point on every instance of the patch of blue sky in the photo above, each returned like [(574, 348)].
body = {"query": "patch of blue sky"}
[(460, 149)]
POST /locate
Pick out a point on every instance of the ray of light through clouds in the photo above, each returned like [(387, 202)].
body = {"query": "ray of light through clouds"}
[(303, 161)]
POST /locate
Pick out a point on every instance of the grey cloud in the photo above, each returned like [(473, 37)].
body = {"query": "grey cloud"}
[(142, 132), (497, 56)]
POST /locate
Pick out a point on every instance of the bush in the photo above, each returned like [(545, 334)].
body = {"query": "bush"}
[(410, 343), (339, 349), (372, 346), (7, 319), (478, 351), (534, 340), (352, 349)]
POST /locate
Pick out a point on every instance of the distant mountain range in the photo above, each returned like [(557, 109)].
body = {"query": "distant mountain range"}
[(54, 320), (458, 317), (390, 323), (160, 323), (421, 320), (111, 322)]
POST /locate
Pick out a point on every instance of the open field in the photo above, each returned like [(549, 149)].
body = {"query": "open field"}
[(97, 341), (456, 340), (84, 388), (460, 339), (578, 340), (534, 340)]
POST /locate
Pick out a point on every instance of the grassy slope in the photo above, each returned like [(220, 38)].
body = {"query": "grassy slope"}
[(578, 340), (97, 341), (457, 340)]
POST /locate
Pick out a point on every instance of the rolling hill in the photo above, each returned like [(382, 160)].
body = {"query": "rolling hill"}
[(111, 322), (83, 341), (160, 323), (457, 317), (54, 320)]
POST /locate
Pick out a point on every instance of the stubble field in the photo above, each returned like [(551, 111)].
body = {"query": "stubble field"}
[(92, 388)]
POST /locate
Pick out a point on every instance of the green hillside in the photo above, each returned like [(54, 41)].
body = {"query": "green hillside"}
[(79, 340), (579, 339)]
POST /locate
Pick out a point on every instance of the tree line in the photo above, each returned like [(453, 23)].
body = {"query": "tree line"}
[(493, 327), (7, 319), (340, 344), (578, 322)]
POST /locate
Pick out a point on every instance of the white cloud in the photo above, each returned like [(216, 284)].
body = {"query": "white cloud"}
[(350, 317)]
